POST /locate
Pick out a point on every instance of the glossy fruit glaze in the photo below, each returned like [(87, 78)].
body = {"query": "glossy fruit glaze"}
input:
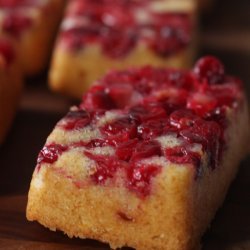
[(189, 108), (7, 52), (117, 26), (17, 16)]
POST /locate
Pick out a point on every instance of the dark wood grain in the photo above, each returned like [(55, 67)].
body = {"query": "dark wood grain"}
[(225, 33)]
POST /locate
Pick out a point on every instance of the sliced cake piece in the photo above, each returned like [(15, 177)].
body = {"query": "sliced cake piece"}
[(98, 35), (32, 25), (10, 85), (145, 160)]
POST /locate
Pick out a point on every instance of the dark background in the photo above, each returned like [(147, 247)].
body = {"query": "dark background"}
[(225, 32)]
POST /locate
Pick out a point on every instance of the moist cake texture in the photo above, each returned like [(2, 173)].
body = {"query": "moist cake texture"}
[(117, 34), (145, 160)]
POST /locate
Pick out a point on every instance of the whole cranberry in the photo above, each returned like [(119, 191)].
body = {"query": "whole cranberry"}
[(209, 69)]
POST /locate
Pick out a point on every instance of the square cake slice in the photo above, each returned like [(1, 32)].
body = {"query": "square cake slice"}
[(32, 25), (145, 160), (10, 85), (96, 36)]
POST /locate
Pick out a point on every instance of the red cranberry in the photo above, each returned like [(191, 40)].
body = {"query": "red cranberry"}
[(76, 120), (120, 94), (117, 44), (105, 169), (7, 51), (125, 150), (114, 16), (152, 128), (209, 134), (173, 33), (140, 178), (168, 41), (183, 118), (97, 98), (121, 126), (50, 153), (143, 113), (209, 69), (181, 155), (202, 103), (181, 80), (203, 132), (15, 24), (145, 150)]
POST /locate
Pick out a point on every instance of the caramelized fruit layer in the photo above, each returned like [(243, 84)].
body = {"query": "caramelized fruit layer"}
[(117, 26), (139, 121)]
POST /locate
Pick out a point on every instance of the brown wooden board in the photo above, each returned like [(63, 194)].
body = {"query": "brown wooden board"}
[(222, 35)]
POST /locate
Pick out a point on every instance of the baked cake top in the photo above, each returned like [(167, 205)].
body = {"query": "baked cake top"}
[(118, 26), (139, 121)]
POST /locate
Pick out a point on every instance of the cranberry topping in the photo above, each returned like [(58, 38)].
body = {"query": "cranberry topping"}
[(125, 150), (181, 155), (15, 24), (98, 98), (105, 169), (120, 94), (50, 153), (183, 118), (118, 31), (117, 44), (7, 51), (172, 34), (76, 120), (153, 128), (209, 69), (154, 103), (140, 178), (208, 134), (75, 38), (147, 113), (145, 150)]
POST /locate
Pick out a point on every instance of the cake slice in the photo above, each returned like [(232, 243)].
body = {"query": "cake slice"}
[(10, 86), (99, 35), (145, 160), (31, 24)]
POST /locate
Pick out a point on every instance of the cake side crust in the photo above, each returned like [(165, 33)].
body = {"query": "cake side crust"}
[(178, 198), (103, 212)]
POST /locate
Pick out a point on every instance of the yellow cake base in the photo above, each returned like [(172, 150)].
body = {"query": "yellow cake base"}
[(172, 217), (73, 73)]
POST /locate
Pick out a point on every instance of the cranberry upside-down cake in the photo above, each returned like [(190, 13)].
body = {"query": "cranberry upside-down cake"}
[(98, 35), (145, 160), (31, 24), (10, 85)]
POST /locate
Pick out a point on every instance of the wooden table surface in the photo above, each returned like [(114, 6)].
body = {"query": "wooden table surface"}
[(222, 35)]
